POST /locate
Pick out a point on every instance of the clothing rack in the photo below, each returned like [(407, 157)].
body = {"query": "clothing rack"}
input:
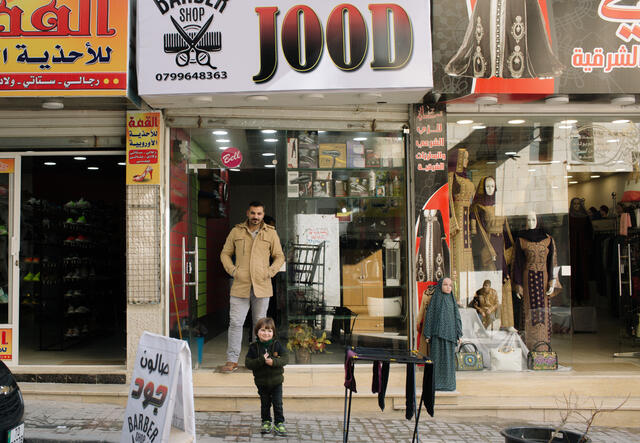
[(410, 358)]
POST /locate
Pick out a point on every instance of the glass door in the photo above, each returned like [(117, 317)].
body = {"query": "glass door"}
[(8, 265)]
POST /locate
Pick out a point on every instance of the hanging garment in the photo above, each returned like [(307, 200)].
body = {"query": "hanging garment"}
[(462, 192), (506, 39), (432, 262)]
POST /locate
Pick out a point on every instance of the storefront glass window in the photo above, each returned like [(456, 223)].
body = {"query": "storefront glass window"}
[(538, 225), (338, 203)]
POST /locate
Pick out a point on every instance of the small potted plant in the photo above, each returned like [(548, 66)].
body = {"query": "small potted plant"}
[(304, 341)]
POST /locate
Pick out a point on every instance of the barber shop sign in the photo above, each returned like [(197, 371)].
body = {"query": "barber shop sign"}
[(196, 46)]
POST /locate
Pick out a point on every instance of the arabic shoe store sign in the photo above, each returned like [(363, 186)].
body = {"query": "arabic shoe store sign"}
[(231, 46), (6, 353), (144, 134), (549, 47), (64, 47)]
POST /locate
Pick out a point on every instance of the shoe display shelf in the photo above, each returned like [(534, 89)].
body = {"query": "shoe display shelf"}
[(63, 269)]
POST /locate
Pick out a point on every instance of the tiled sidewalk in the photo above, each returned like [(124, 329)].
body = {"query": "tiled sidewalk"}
[(82, 422)]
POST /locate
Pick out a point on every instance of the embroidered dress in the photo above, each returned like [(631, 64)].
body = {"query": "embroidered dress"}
[(535, 260), (493, 240), (507, 39), (443, 326), (461, 195), (432, 262)]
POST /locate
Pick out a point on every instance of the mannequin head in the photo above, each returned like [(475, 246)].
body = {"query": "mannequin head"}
[(486, 285), (463, 160), (532, 220), (447, 286), (489, 186)]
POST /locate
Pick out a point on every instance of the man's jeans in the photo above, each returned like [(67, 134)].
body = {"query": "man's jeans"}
[(238, 309)]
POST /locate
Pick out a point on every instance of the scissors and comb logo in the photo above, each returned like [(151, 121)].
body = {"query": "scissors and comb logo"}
[(193, 44)]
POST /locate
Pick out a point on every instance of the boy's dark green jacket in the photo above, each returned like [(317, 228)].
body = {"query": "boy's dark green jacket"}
[(263, 374)]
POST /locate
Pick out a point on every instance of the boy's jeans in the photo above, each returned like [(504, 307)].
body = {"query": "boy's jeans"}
[(271, 395), (238, 308)]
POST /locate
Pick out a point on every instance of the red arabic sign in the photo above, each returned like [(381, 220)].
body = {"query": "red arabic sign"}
[(68, 47)]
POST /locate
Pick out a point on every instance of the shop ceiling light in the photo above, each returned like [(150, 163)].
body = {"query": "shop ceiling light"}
[(594, 176), (234, 169), (50, 163), (222, 148), (268, 154), (620, 170), (517, 121), (122, 164), (557, 100), (624, 100), (510, 153), (53, 104), (257, 98), (532, 170), (487, 100), (613, 140), (269, 166), (573, 182), (270, 140), (617, 122), (359, 139), (268, 131), (568, 122), (222, 140), (478, 127), (79, 158), (568, 176), (565, 126), (464, 122), (313, 96), (219, 132), (93, 168), (491, 163)]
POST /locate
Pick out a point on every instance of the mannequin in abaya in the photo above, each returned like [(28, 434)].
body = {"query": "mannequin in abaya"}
[(535, 260), (493, 239), (581, 244), (443, 330), (506, 39), (461, 193)]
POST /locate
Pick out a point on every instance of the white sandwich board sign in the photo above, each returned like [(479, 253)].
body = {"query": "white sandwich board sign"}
[(161, 393)]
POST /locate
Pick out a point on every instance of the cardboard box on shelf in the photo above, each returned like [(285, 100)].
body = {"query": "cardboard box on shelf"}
[(355, 154), (332, 155)]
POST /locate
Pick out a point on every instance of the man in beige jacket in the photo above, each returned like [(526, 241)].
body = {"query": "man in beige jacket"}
[(258, 257)]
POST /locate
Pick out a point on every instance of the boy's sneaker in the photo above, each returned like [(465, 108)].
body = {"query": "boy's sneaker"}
[(280, 429), (266, 427)]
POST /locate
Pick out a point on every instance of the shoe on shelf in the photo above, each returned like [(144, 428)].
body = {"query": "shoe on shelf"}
[(81, 219), (70, 239), (28, 277), (70, 205), (280, 429), (28, 260), (36, 277), (70, 310), (69, 220), (266, 427), (82, 310), (229, 367)]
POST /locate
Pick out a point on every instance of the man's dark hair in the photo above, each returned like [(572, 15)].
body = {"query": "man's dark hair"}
[(256, 204), (605, 209)]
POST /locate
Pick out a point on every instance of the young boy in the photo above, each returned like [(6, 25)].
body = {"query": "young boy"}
[(266, 358)]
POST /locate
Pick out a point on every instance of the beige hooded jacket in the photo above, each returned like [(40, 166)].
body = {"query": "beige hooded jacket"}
[(251, 267)]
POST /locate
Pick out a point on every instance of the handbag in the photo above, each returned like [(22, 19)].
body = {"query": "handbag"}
[(542, 360), (506, 358), (468, 360)]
